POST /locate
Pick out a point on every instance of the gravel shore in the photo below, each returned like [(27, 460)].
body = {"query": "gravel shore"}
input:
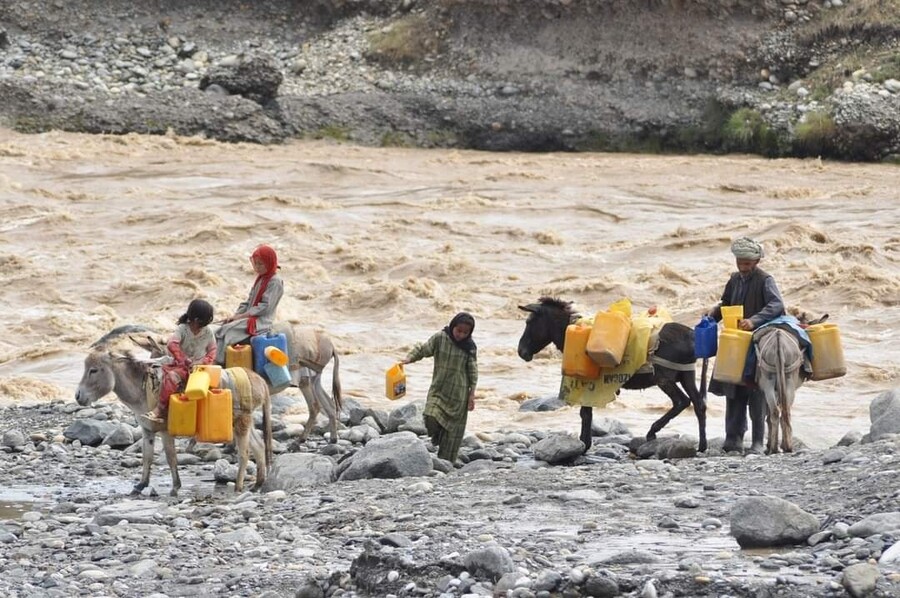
[(503, 523)]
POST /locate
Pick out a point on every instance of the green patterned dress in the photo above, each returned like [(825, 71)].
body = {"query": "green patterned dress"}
[(447, 408)]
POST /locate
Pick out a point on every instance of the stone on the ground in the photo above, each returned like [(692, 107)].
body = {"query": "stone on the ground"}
[(397, 455), (762, 521)]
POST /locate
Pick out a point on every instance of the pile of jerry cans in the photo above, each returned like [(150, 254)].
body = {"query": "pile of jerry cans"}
[(266, 355), (734, 344), (270, 359), (591, 346), (203, 410)]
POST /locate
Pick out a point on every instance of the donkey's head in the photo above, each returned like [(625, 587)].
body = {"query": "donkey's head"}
[(107, 371), (98, 378), (546, 323), (806, 318)]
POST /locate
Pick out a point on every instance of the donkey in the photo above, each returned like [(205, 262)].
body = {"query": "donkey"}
[(779, 375), (674, 363), (109, 370), (309, 352)]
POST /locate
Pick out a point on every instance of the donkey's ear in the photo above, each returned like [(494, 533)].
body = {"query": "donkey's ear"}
[(149, 344)]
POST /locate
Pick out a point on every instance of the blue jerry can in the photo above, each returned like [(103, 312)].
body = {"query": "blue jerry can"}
[(259, 344), (706, 335)]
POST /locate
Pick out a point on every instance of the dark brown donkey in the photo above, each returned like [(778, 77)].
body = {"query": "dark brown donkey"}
[(673, 363)]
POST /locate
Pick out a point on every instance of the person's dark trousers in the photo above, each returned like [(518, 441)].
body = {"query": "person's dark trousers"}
[(737, 401)]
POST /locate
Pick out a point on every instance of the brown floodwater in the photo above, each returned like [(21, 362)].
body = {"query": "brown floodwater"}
[(382, 246)]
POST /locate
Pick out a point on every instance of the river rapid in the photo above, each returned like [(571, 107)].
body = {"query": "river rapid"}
[(382, 246)]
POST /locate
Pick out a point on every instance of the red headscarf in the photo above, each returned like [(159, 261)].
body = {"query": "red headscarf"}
[(268, 257)]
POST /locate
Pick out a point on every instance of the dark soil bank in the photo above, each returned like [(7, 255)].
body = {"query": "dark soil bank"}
[(786, 77)]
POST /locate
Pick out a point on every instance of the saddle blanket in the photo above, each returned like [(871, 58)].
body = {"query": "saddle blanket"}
[(237, 381), (603, 390)]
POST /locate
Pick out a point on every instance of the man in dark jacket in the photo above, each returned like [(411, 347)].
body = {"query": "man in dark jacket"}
[(757, 292)]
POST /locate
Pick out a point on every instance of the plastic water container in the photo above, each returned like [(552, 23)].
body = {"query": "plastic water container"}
[(576, 362), (732, 355), (238, 356), (731, 315), (278, 375), (827, 352), (623, 306), (395, 382), (276, 356), (608, 339), (260, 343), (214, 371), (706, 336), (197, 385), (182, 418), (214, 417)]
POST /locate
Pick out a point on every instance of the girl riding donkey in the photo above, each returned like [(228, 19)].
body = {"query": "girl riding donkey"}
[(257, 314), (191, 344)]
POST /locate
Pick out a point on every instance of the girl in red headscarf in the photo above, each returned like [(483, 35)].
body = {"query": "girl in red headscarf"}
[(257, 313)]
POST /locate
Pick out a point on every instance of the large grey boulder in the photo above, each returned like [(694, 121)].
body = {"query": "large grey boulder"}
[(860, 579), (762, 521), (292, 471), (256, 78), (547, 403), (879, 523), (13, 440), (558, 448), (608, 426), (884, 413), (121, 437), (397, 455), (90, 432), (492, 561), (132, 511), (406, 417)]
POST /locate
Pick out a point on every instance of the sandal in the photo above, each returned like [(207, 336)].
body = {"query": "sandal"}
[(154, 417)]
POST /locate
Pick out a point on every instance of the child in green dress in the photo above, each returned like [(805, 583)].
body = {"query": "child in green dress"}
[(452, 392)]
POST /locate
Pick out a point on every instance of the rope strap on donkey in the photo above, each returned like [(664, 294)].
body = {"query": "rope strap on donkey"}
[(681, 367)]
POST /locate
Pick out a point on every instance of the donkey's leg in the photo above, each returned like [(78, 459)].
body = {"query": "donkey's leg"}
[(772, 423), (149, 439), (587, 437), (679, 402), (774, 414), (172, 460), (311, 405), (242, 423), (259, 457), (327, 405), (688, 381), (787, 430)]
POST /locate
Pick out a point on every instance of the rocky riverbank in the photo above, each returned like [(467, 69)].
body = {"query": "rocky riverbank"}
[(778, 78), (377, 514)]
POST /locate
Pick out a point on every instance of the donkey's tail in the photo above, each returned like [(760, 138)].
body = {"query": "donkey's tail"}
[(267, 431), (336, 383)]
